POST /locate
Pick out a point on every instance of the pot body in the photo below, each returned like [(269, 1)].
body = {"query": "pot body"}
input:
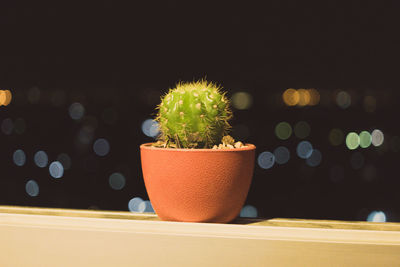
[(197, 185)]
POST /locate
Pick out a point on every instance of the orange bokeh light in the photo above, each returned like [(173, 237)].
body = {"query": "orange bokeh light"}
[(291, 97)]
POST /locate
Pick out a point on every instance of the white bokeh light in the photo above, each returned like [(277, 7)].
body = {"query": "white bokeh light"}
[(376, 216), (56, 169), (76, 111), (101, 147), (135, 205), (315, 158), (249, 211), (304, 149), (40, 158), (150, 128), (117, 181), (282, 155), (32, 188), (377, 137), (266, 160), (19, 157)]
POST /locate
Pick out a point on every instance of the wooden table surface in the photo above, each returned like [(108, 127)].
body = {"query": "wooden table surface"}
[(64, 237)]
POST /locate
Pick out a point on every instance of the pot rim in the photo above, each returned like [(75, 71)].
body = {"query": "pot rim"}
[(247, 148)]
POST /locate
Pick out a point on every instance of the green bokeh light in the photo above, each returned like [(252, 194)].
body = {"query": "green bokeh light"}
[(302, 129), (336, 137), (365, 139), (283, 130), (352, 140)]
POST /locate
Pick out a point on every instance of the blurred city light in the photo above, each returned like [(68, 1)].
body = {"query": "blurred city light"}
[(343, 99), (148, 206), (315, 159), (302, 129), (282, 155), (283, 130), (352, 140), (40, 158), (65, 160), (266, 160), (150, 128), (291, 97), (33, 95), (376, 216), (365, 139), (101, 147), (377, 137), (19, 157), (76, 111), (56, 169), (32, 188), (314, 97), (336, 137), (5, 97), (134, 205), (19, 126), (242, 100), (369, 103), (304, 149), (116, 181), (7, 126), (249, 211), (357, 160), (304, 97)]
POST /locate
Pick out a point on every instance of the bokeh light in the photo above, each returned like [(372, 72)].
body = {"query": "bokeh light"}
[(304, 97), (266, 160), (33, 95), (101, 147), (315, 158), (135, 205), (283, 130), (242, 100), (369, 103), (32, 188), (282, 155), (376, 216), (352, 140), (314, 97), (291, 97), (148, 206), (395, 143), (249, 211), (150, 128), (377, 137), (65, 160), (357, 160), (365, 139), (117, 181), (19, 126), (343, 99), (76, 111), (302, 129), (40, 158), (56, 169), (5, 97), (7, 126), (304, 149), (336, 137), (19, 157)]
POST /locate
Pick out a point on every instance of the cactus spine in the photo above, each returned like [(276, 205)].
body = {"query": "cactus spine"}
[(193, 115)]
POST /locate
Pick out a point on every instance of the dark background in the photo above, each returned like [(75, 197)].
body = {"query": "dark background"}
[(124, 57)]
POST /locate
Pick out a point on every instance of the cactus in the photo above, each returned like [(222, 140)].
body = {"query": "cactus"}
[(193, 115)]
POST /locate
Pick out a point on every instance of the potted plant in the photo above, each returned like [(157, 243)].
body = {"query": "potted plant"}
[(195, 172)]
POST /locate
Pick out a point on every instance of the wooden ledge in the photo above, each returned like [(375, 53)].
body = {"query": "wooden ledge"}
[(63, 237)]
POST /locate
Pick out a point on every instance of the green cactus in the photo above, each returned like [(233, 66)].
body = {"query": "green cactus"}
[(193, 115)]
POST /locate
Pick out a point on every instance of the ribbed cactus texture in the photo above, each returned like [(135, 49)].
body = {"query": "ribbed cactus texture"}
[(193, 115)]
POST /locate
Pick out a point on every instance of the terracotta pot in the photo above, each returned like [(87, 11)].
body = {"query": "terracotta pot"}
[(197, 185)]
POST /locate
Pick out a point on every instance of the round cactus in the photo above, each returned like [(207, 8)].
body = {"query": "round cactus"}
[(193, 115)]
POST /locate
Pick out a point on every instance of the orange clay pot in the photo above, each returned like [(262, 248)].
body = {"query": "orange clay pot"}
[(197, 185)]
